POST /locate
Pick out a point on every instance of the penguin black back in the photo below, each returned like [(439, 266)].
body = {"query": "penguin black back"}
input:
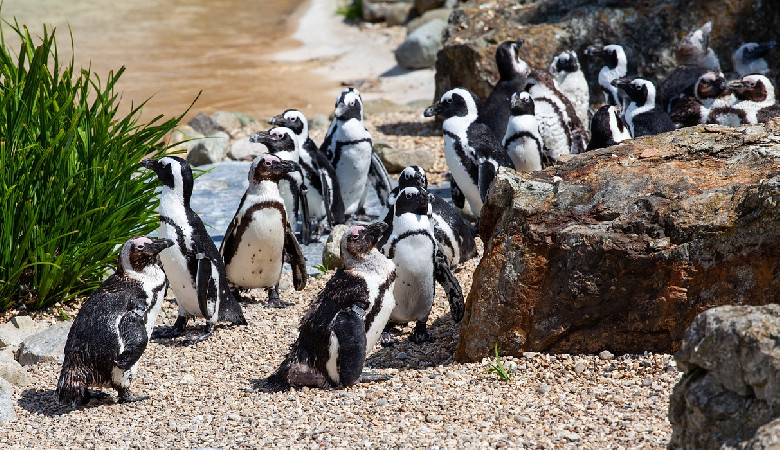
[(512, 72), (607, 128)]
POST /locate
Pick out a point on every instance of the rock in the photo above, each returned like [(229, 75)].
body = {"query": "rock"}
[(543, 388), (579, 368), (428, 16), (730, 358), (243, 150), (394, 12), (47, 345), (396, 160), (209, 150), (203, 124), (246, 119), (7, 413), (318, 122), (6, 388), (419, 49), (225, 121), (187, 379), (423, 6), (653, 28), (606, 355), (766, 438), (331, 252), (619, 249), (11, 371), (13, 332), (183, 138)]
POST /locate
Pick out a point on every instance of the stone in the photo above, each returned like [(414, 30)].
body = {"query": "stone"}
[(579, 368), (209, 150), (606, 355), (7, 413), (394, 12), (246, 119), (397, 14), (419, 49), (243, 150), (423, 6), (47, 345), (434, 14), (620, 249), (767, 437), (730, 386), (6, 388), (543, 388), (183, 138), (203, 124), (331, 252), (396, 160), (13, 332), (11, 371), (226, 121)]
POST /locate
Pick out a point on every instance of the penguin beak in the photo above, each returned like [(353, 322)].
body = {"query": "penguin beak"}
[(341, 108), (433, 110), (261, 137), (519, 42), (375, 231), (594, 50), (159, 244), (622, 83), (735, 86), (284, 166), (279, 121), (760, 50), (150, 163)]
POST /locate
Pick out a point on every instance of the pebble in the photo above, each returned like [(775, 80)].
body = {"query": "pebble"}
[(579, 368), (529, 355), (402, 355), (187, 379), (382, 402), (543, 388), (434, 418), (606, 355)]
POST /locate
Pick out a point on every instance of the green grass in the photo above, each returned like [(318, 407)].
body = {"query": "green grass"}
[(351, 11), (498, 368), (71, 190)]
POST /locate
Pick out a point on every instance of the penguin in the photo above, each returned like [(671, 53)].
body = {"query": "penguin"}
[(522, 140), (512, 71), (643, 117), (569, 79), (749, 58), (345, 321), (453, 234), (259, 234), (619, 62), (349, 149), (112, 328), (319, 174), (194, 266), (709, 93), (560, 128), (419, 262), (756, 102), (607, 128), (471, 149)]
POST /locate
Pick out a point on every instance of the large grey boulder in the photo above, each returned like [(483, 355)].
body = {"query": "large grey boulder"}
[(48, 345), (209, 149), (226, 121), (396, 160), (12, 371), (730, 357), (13, 332), (243, 150), (419, 49)]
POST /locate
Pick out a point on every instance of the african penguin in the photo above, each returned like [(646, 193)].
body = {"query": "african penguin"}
[(113, 326), (471, 149), (193, 266), (756, 102), (344, 322), (560, 128), (522, 140), (419, 263), (569, 79), (349, 149), (607, 128), (319, 174), (259, 234), (643, 117), (749, 58), (619, 62), (710, 93), (512, 71), (453, 234)]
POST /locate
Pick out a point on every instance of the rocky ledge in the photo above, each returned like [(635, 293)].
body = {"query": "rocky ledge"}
[(621, 248)]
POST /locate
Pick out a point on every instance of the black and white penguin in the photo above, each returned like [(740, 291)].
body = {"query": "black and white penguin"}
[(260, 235), (756, 102), (512, 71), (419, 264), (569, 79), (522, 140), (345, 321), (194, 266), (319, 174), (607, 128), (709, 94), (749, 58), (349, 149), (472, 151), (454, 235), (560, 128), (619, 62), (643, 117), (113, 326)]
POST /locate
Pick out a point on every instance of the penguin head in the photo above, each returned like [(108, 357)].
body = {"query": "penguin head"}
[(174, 173), (458, 102), (693, 49), (412, 200), (413, 176), (139, 252), (292, 119), (508, 60), (359, 240), (612, 56), (541, 77), (640, 90), (565, 62), (755, 88), (522, 104), (349, 105), (270, 168), (749, 53), (278, 139), (710, 85)]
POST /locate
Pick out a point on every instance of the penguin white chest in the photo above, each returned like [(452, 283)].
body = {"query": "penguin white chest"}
[(381, 301), (181, 281), (414, 284), (551, 128), (523, 143), (257, 262), (291, 183), (460, 174)]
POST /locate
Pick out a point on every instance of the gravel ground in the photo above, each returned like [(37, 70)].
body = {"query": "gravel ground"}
[(210, 394)]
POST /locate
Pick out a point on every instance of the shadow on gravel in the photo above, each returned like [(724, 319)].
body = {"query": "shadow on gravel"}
[(427, 128), (44, 401), (404, 354)]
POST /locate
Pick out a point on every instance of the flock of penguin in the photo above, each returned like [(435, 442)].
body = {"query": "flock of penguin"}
[(391, 265)]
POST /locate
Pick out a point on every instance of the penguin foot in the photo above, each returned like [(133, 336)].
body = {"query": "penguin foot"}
[(97, 395), (420, 334), (126, 397), (274, 301), (387, 339), (195, 338), (171, 332)]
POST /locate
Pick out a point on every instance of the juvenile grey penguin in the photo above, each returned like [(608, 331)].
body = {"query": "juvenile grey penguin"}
[(472, 151), (607, 128), (522, 140), (710, 93), (756, 102), (349, 149), (512, 71), (569, 79), (419, 264), (749, 58), (193, 266), (453, 234), (112, 328), (643, 117), (259, 234), (619, 62), (344, 322), (560, 128), (320, 177)]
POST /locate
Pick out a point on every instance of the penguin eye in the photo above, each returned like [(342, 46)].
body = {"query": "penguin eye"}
[(351, 103), (267, 162), (294, 119), (448, 100), (139, 247)]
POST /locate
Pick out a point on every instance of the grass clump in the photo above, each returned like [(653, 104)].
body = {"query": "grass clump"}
[(498, 367), (70, 188), (351, 11)]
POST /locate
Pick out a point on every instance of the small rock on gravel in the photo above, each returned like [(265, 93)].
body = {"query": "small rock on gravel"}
[(47, 345), (606, 355), (12, 371), (13, 332), (579, 368), (7, 413), (543, 388)]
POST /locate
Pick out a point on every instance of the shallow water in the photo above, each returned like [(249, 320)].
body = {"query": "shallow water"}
[(172, 49)]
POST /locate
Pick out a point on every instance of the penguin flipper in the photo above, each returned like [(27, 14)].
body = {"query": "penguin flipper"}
[(458, 199), (132, 332), (377, 175), (337, 205), (449, 283), (350, 333), (303, 201), (297, 260), (204, 284), (487, 172)]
